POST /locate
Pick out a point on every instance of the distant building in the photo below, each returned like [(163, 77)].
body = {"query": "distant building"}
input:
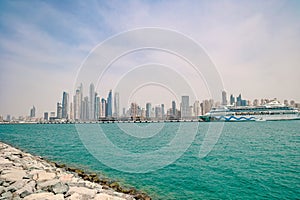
[(109, 104), (65, 105), (32, 112), (185, 107), (46, 116), (224, 98), (197, 108), (232, 100), (103, 108), (162, 111), (174, 109), (91, 103), (97, 106), (59, 110), (8, 118), (116, 105), (255, 102), (148, 110)]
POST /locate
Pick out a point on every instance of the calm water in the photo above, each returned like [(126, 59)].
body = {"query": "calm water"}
[(255, 160)]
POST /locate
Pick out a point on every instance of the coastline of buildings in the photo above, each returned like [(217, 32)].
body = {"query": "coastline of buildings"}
[(93, 108)]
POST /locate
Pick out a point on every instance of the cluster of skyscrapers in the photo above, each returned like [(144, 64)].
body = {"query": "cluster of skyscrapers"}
[(94, 108)]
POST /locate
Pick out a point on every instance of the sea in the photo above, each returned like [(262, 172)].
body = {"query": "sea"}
[(248, 160)]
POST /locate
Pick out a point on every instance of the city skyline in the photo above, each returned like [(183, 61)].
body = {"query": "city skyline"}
[(254, 45), (92, 107)]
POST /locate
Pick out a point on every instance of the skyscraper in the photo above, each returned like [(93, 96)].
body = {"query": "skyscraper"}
[(163, 111), (148, 110), (77, 103), (173, 108), (224, 98), (97, 107), (232, 100), (185, 107), (103, 108), (32, 112), (65, 105), (91, 102), (109, 104), (116, 105), (58, 110), (197, 108)]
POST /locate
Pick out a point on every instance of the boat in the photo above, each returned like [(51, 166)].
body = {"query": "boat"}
[(271, 111)]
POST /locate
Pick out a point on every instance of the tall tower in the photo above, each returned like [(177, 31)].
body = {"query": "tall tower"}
[(224, 98), (65, 105), (185, 107), (58, 110), (32, 112), (173, 108), (91, 102), (109, 104), (116, 105), (148, 110)]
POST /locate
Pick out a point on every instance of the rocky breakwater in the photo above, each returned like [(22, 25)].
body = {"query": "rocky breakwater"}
[(24, 176)]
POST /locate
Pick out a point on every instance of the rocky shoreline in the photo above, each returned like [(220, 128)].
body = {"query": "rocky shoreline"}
[(28, 177)]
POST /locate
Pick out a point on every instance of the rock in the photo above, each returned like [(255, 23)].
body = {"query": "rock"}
[(6, 184), (66, 178), (17, 185), (27, 189), (44, 176), (5, 162), (47, 184), (7, 195), (2, 189), (60, 188), (103, 196), (44, 196), (85, 192), (13, 174)]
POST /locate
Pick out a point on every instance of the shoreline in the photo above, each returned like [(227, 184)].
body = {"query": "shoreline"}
[(26, 176)]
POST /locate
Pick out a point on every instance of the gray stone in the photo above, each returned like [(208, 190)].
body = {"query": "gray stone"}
[(44, 176), (44, 196), (82, 191), (60, 188), (13, 174), (2, 189), (107, 197), (25, 193), (17, 185), (6, 184), (47, 184), (7, 195)]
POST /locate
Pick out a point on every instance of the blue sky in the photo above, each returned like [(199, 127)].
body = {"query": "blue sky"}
[(254, 44)]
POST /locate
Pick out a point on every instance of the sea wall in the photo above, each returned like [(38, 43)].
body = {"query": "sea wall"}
[(28, 177)]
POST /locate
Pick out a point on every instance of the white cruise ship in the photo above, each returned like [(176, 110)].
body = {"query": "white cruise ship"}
[(268, 112)]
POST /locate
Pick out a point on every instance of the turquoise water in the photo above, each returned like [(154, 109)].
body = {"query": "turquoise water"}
[(251, 160)]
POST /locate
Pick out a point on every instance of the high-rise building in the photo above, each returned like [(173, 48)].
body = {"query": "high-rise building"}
[(174, 109), (32, 112), (71, 111), (158, 112), (91, 102), (239, 100), (85, 109), (116, 105), (162, 111), (109, 104), (224, 98), (232, 100), (65, 105), (197, 108), (46, 116), (77, 103), (59, 110), (148, 110), (185, 107), (103, 108), (133, 111), (97, 106)]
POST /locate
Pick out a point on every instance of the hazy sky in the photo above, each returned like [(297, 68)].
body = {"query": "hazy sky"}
[(254, 44)]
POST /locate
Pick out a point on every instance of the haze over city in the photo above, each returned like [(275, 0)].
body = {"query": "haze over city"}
[(254, 46)]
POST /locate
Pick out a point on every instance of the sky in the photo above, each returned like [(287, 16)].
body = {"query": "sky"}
[(254, 46)]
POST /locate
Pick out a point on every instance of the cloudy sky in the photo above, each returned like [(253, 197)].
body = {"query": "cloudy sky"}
[(253, 44)]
